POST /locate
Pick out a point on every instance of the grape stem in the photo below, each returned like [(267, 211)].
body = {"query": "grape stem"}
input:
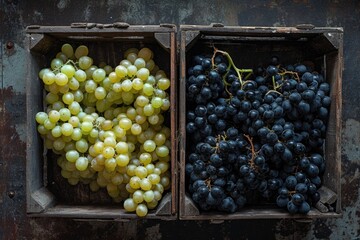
[(231, 64), (252, 149)]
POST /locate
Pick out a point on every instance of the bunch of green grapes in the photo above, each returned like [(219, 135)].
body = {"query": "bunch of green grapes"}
[(107, 124)]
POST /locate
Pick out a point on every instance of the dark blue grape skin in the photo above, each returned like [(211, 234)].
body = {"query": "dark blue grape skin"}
[(281, 201)]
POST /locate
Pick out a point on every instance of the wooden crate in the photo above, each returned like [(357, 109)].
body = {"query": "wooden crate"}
[(248, 45), (48, 194)]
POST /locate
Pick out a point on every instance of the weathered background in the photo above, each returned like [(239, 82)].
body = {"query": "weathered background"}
[(15, 15)]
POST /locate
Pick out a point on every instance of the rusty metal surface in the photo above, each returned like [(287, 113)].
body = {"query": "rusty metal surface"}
[(15, 15)]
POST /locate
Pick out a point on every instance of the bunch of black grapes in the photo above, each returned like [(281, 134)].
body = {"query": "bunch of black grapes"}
[(260, 132)]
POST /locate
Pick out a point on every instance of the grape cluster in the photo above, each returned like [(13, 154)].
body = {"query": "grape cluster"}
[(254, 134), (107, 124)]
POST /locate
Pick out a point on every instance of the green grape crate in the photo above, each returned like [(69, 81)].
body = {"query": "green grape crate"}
[(48, 194), (247, 46)]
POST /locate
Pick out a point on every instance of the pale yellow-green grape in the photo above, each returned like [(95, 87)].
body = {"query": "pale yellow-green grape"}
[(80, 75), (150, 65), (56, 132), (141, 210), (122, 160), (62, 56), (78, 96), (67, 49), (148, 196), (56, 64), (61, 79), (130, 205), (73, 84), (145, 53), (131, 71), (85, 62), (48, 77), (68, 98), (139, 63), (80, 51), (99, 75), (131, 57), (64, 89), (138, 196), (143, 73), (68, 70)]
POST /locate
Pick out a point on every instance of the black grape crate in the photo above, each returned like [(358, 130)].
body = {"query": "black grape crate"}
[(48, 194), (248, 46)]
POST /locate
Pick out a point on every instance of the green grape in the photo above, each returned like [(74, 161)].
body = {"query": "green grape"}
[(110, 164), (67, 129), (73, 84), (156, 102), (134, 182), (126, 85), (151, 80), (113, 77), (48, 78), (125, 123), (100, 93), (85, 62), (90, 86), (150, 65), (143, 73), (145, 53), (165, 181), (122, 148), (40, 117), (125, 63), (48, 124), (74, 120), (121, 71), (154, 178), (141, 172), (145, 184), (122, 160), (68, 70), (61, 56), (130, 205), (64, 89), (80, 51), (58, 144), (42, 130), (148, 110), (110, 142), (132, 56), (80, 75), (81, 163), (141, 210), (148, 89), (68, 50), (136, 129), (139, 63), (82, 145), (56, 63), (76, 134), (165, 105), (163, 83), (137, 84), (160, 74), (131, 71), (152, 204), (162, 151), (127, 97), (138, 196), (108, 152), (150, 168), (148, 196), (56, 132), (99, 75), (117, 87), (157, 195), (141, 100), (61, 79), (78, 96), (86, 127), (74, 108), (68, 98), (117, 179), (72, 156), (130, 50), (43, 71), (153, 119), (108, 69), (53, 88)]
